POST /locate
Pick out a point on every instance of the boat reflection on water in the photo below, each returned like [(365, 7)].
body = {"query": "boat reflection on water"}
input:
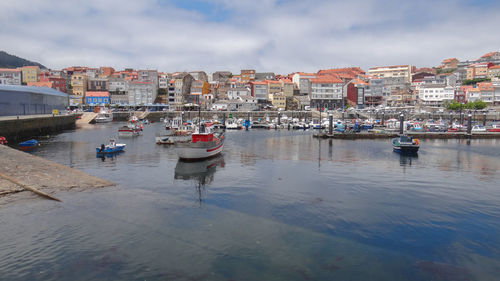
[(201, 172), (406, 159), (109, 156)]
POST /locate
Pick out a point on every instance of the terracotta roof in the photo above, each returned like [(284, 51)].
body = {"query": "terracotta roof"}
[(485, 86), (47, 84), (495, 67), (392, 66), (489, 54), (448, 60), (97, 94), (326, 79), (10, 69)]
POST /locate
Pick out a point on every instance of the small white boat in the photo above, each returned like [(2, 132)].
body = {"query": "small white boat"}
[(203, 144), (104, 116), (232, 124)]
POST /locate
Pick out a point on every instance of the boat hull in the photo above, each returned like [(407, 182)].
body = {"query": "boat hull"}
[(171, 139), (406, 148), (128, 132), (110, 150), (189, 151)]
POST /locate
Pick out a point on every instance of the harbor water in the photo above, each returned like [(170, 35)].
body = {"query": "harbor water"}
[(276, 205)]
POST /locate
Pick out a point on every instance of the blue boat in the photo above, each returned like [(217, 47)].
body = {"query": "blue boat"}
[(110, 148), (28, 145)]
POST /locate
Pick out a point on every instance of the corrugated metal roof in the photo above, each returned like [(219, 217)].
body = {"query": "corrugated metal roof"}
[(31, 89)]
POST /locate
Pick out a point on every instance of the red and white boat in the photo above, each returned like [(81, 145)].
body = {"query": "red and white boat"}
[(203, 144), (133, 128), (494, 128)]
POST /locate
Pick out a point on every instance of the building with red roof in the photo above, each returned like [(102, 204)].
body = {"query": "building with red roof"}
[(326, 92)]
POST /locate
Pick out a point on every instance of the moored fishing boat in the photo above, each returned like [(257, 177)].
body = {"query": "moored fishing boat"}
[(203, 144), (494, 128), (28, 145), (110, 148), (405, 144), (104, 116), (133, 128)]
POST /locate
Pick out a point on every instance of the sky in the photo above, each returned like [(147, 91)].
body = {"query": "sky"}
[(281, 36)]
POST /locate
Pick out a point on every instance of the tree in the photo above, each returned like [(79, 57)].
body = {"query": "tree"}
[(469, 105), (453, 105), (479, 104)]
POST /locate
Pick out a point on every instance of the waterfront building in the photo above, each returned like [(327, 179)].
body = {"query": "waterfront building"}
[(198, 89), (273, 87), (10, 76), (288, 87), (395, 71), (494, 71), (163, 80), (326, 92), (30, 73), (356, 91), (247, 75), (57, 83), (259, 91), (78, 87), (278, 100), (235, 93), (303, 82), (478, 70), (25, 100), (182, 87), (435, 94), (97, 98), (141, 93), (118, 90), (97, 84)]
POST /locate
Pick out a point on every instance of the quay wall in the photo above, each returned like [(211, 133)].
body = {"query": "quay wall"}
[(17, 129)]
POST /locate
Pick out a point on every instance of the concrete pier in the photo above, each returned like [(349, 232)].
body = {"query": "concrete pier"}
[(16, 128), (18, 169)]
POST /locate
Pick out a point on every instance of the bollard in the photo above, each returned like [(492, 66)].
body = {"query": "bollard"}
[(469, 125), (401, 123), (484, 119), (330, 124), (383, 118)]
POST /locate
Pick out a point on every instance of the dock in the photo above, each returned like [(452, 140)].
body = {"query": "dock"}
[(417, 135), (22, 173)]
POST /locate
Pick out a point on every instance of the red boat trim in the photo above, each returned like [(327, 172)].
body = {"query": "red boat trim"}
[(212, 149)]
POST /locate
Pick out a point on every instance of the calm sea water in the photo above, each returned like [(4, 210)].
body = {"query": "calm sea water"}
[(277, 205)]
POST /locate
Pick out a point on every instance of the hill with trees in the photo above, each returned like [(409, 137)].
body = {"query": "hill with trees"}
[(11, 61)]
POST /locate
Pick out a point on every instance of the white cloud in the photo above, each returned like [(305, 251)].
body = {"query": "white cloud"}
[(281, 36)]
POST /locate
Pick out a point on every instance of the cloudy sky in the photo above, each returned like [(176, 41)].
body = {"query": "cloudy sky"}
[(267, 35)]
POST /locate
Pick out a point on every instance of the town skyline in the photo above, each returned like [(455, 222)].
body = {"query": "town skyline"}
[(278, 36)]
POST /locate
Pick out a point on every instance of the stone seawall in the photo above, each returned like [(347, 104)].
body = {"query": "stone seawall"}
[(19, 170), (24, 127)]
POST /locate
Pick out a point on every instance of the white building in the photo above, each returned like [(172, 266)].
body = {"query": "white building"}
[(10, 76), (303, 82), (435, 94), (403, 71), (326, 92), (141, 93), (235, 93)]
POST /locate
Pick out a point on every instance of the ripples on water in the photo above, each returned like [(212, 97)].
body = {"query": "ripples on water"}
[(274, 206)]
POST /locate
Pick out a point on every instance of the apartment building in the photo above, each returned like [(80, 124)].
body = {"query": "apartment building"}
[(30, 73), (10, 76), (395, 71), (435, 94), (326, 92)]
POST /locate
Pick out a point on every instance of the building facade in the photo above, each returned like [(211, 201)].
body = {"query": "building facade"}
[(396, 71), (93, 98), (326, 92), (10, 76)]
